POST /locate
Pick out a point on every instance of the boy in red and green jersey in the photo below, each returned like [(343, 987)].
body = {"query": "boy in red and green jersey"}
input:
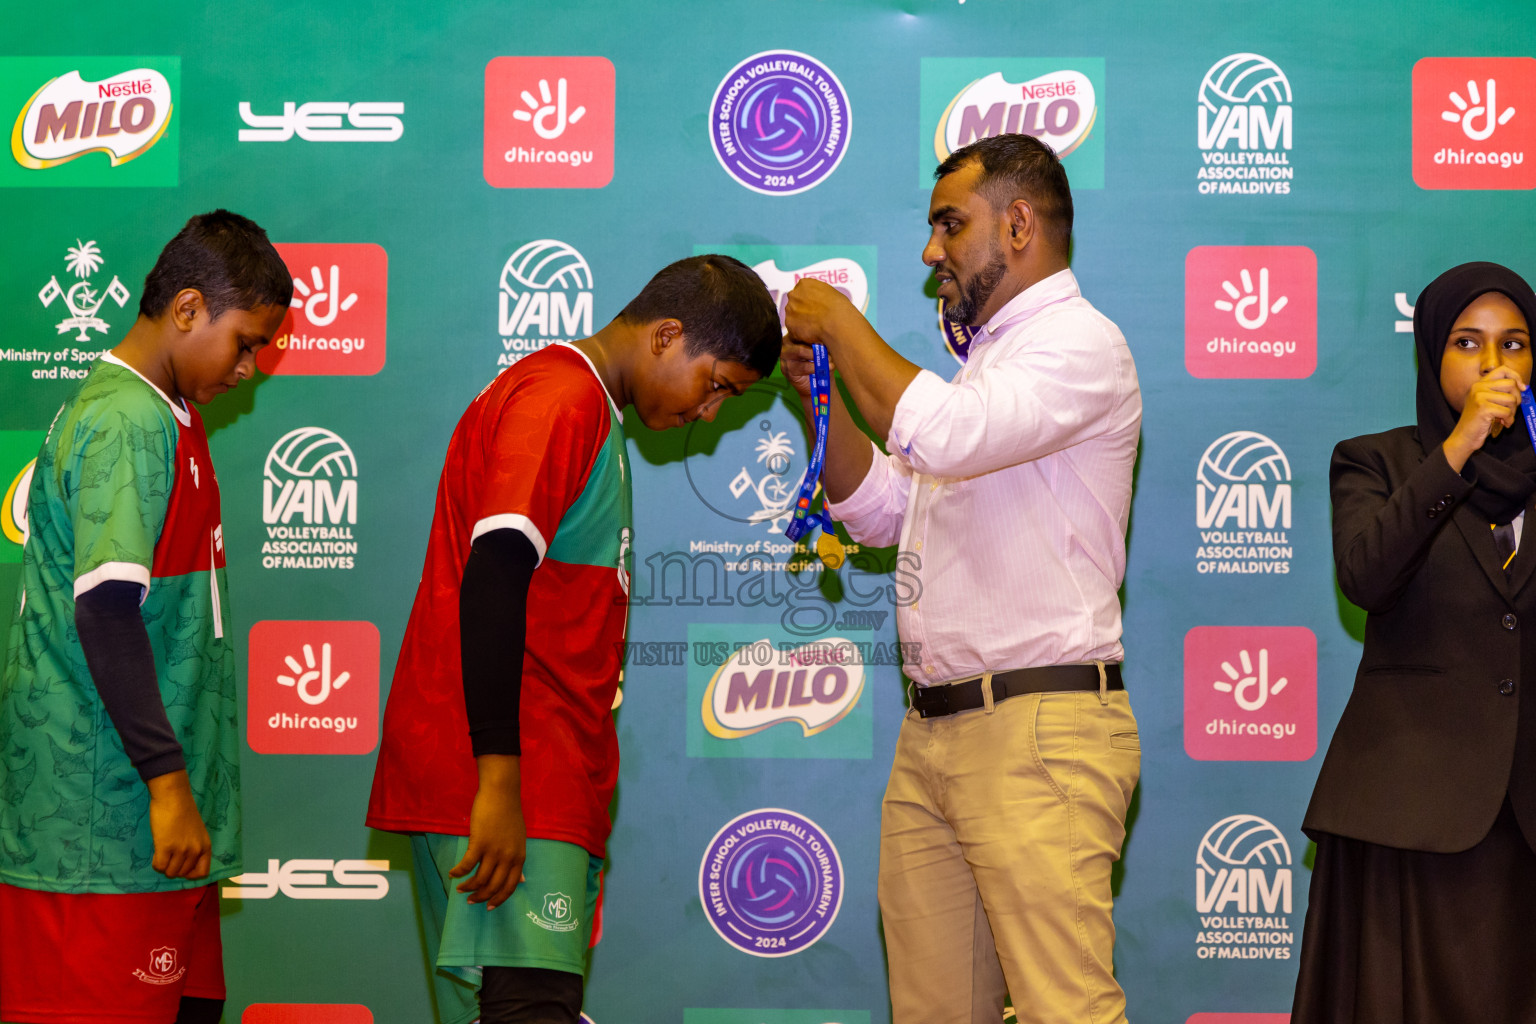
[(118, 742), (499, 754)]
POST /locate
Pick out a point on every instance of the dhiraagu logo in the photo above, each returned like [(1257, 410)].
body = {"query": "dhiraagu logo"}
[(18, 457), (91, 121)]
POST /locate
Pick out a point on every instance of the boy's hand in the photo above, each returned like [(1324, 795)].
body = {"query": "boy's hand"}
[(182, 846), (498, 841)]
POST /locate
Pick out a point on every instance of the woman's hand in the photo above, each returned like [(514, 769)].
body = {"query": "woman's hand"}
[(1493, 400)]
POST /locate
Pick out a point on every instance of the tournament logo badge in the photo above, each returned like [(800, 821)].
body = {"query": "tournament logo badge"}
[(1244, 123), (1250, 311), (780, 122), (545, 297), (1243, 891), (1058, 100), (337, 321), (1250, 693), (549, 122), (1243, 506), (1474, 123), (313, 688), (771, 882), (82, 121)]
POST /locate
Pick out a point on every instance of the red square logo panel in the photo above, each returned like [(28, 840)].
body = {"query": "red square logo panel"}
[(313, 688), (1250, 311), (1250, 693), (549, 122), (1474, 122), (335, 325)]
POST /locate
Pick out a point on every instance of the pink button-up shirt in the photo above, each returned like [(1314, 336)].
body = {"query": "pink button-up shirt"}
[(1010, 486)]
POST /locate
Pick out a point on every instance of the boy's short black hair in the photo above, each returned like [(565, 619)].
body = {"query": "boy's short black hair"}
[(1020, 167), (225, 256), (724, 307)]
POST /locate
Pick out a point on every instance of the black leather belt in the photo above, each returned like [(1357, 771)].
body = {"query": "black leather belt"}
[(937, 701)]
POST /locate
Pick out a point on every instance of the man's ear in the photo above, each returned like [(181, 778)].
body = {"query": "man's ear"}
[(187, 308), (665, 334), (1022, 225)]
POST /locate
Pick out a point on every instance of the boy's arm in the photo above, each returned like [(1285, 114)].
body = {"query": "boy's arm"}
[(493, 609), (122, 665)]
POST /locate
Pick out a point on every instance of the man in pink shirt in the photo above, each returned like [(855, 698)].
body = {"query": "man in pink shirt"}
[(1010, 486)]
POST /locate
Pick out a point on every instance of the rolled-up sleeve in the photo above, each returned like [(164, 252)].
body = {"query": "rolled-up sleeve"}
[(873, 513), (1033, 402)]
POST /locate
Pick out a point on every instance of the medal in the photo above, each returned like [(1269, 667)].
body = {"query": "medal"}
[(828, 547)]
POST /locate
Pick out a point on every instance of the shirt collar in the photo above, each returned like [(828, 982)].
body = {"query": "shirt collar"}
[(1045, 292)]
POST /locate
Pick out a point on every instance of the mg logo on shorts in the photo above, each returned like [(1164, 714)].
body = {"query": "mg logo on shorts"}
[(557, 914), (164, 967)]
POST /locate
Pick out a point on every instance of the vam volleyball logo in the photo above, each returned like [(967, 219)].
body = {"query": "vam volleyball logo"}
[(1250, 693), (337, 320), (1245, 122), (771, 882), (1243, 506), (313, 688), (67, 109), (309, 502), (780, 122), (1057, 100), (1244, 891), (1474, 122), (546, 297), (1250, 311), (18, 458)]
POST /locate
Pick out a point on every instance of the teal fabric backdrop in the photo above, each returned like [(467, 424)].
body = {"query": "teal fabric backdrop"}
[(1261, 191)]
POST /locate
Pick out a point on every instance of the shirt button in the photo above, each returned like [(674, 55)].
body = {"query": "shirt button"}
[(919, 546), (1432, 512), (1509, 620), (1506, 686)]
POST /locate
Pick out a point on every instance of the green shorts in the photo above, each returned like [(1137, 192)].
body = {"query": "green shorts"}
[(547, 922)]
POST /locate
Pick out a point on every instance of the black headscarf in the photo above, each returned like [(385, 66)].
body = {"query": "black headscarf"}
[(1504, 469)]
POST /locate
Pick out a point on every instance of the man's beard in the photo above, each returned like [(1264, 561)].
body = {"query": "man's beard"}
[(975, 292)]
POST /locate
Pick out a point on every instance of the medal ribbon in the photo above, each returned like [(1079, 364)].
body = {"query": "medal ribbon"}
[(804, 519)]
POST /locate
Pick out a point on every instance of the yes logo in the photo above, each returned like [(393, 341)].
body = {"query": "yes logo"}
[(1250, 311), (313, 688), (321, 122), (337, 323), (1250, 693), (91, 120), (1474, 123), (549, 122), (306, 880)]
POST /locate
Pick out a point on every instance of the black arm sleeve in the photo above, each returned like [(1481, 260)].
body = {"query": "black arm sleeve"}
[(122, 665), (493, 628)]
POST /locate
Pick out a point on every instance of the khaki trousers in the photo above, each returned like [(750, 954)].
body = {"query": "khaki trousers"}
[(997, 835)]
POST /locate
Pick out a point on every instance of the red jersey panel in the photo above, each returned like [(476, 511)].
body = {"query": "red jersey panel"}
[(540, 451)]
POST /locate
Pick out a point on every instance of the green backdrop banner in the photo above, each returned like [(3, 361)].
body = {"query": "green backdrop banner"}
[(1261, 192)]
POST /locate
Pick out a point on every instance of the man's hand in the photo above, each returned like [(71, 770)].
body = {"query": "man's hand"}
[(1494, 399), (498, 840), (815, 312), (182, 846), (795, 358)]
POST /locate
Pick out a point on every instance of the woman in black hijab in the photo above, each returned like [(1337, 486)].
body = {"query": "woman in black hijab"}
[(1423, 896)]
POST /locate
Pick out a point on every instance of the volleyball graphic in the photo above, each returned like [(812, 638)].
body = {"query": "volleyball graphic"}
[(771, 882), (545, 264), (1242, 840), (310, 452), (1240, 457), (1244, 78)]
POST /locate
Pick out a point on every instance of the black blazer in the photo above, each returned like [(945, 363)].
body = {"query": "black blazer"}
[(1438, 728)]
